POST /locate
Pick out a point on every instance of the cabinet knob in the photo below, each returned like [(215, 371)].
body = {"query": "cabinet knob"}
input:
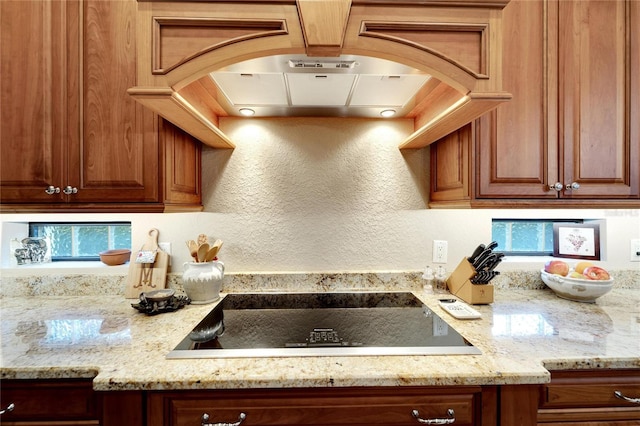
[(448, 421), (52, 190), (556, 186), (573, 185), (10, 407), (205, 421), (620, 395), (70, 190)]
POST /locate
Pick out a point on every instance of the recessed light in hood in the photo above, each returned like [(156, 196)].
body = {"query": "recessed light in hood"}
[(287, 85)]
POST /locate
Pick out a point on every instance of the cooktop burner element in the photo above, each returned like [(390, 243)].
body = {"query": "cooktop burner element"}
[(317, 324)]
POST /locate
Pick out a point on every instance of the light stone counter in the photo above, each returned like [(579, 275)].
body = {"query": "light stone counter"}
[(521, 335)]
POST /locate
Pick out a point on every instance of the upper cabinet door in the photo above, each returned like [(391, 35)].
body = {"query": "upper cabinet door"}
[(599, 89), (114, 156), (34, 124), (517, 143)]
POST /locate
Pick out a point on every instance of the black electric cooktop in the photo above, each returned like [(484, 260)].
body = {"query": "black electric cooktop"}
[(317, 324)]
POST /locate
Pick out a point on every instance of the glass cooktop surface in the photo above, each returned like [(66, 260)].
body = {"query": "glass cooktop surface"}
[(317, 324)]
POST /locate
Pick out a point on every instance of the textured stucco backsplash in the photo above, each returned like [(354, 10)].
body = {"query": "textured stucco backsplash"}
[(317, 195)]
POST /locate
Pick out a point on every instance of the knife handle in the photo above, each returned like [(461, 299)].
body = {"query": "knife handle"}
[(475, 254)]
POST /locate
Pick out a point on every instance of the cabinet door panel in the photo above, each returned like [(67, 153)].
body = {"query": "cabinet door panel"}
[(116, 153), (597, 82), (182, 166), (450, 179), (516, 143), (33, 122)]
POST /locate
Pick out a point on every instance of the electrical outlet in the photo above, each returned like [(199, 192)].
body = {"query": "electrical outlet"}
[(166, 247), (635, 250), (439, 251)]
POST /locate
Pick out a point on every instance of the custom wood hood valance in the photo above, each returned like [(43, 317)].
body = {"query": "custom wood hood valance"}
[(456, 45)]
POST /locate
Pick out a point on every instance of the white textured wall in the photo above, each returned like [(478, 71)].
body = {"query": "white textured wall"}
[(317, 194)]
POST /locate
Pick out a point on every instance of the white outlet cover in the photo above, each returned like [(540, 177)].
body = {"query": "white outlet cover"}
[(440, 250)]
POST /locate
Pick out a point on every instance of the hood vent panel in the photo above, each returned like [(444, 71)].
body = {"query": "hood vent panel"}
[(355, 86), (252, 89)]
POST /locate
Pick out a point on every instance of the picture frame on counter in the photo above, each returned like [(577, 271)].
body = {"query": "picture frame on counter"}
[(576, 240)]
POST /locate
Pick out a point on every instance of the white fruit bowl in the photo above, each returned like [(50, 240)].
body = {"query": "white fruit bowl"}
[(576, 289)]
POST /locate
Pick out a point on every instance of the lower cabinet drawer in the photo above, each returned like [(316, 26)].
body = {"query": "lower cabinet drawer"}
[(48, 401), (579, 396), (352, 406)]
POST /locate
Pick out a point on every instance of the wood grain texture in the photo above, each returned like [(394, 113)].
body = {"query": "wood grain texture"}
[(182, 164), (117, 157), (324, 24), (574, 115), (517, 142), (66, 113), (33, 124), (586, 397), (450, 178), (335, 406), (596, 76)]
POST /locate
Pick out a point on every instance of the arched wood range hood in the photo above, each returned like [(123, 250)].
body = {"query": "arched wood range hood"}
[(194, 60)]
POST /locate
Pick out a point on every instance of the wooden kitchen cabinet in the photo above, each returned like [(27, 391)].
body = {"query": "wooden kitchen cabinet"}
[(43, 402), (587, 397), (68, 123), (471, 405), (574, 71), (574, 397), (451, 177)]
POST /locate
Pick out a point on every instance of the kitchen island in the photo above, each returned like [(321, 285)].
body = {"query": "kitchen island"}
[(523, 336)]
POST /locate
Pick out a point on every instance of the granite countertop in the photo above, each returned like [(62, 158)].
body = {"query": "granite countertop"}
[(522, 335)]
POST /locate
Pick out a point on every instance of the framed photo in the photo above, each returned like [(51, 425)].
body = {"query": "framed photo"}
[(576, 240)]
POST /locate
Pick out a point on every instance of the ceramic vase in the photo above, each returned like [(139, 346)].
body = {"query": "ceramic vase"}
[(202, 281)]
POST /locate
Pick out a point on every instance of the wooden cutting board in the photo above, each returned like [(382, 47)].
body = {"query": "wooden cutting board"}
[(147, 277)]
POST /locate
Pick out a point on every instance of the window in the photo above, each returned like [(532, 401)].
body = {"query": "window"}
[(82, 241), (525, 237)]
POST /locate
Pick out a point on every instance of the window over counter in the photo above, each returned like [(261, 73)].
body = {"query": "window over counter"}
[(82, 240), (526, 237)]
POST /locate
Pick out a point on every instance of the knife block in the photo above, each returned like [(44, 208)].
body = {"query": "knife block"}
[(459, 285)]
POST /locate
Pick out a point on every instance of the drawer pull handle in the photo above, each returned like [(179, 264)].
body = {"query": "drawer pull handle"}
[(620, 395), (205, 421), (448, 421), (10, 407)]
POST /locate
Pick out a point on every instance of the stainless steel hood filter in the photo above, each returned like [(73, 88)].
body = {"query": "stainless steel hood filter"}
[(296, 85)]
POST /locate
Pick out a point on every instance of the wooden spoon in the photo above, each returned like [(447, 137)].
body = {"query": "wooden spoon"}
[(218, 244), (193, 249), (211, 254), (202, 252)]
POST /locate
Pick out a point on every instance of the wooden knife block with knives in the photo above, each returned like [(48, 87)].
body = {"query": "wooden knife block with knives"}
[(459, 284), (147, 274)]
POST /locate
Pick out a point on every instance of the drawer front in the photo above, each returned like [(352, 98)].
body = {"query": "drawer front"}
[(593, 396), (591, 388), (588, 397), (279, 408), (48, 400)]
